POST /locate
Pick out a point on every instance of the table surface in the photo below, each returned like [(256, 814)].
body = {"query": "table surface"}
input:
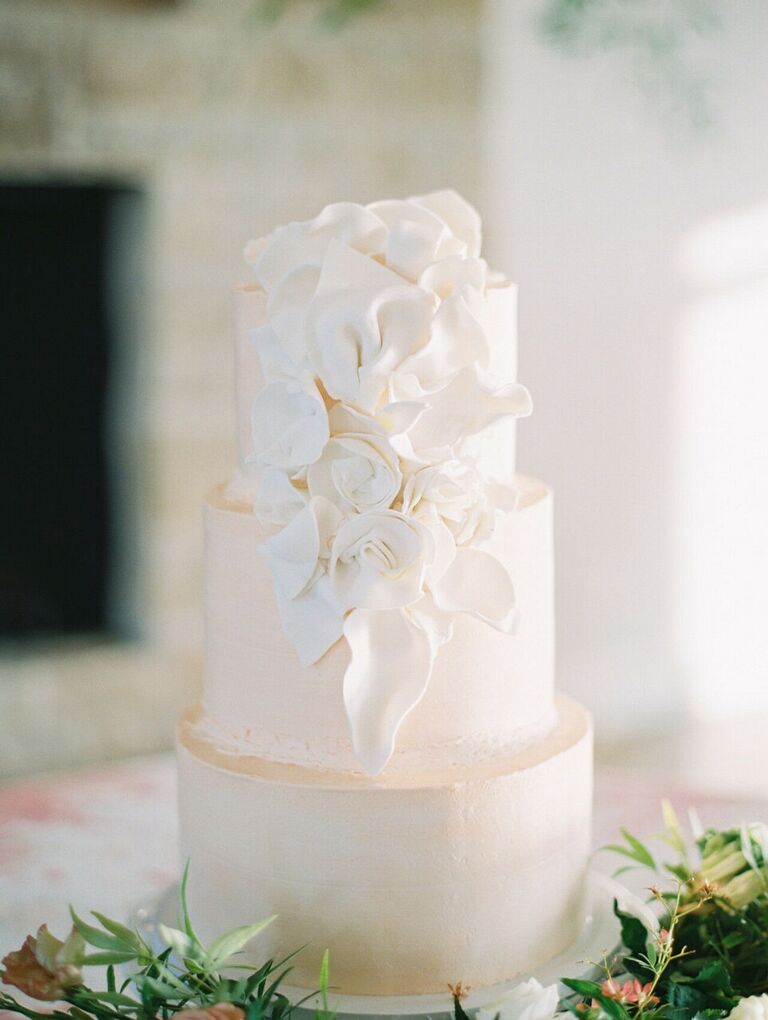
[(105, 838)]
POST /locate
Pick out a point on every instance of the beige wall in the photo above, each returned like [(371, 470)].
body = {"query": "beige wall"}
[(230, 128)]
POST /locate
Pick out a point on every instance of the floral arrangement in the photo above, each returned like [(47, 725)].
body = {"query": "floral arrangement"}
[(696, 948), (184, 981), (379, 380)]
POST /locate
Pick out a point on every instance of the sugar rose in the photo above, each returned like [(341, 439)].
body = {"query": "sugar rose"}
[(378, 560), (356, 471), (753, 1007)]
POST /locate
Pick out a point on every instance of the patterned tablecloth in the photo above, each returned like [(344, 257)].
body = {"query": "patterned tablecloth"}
[(106, 838)]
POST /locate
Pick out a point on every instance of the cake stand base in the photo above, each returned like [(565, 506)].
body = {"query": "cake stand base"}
[(596, 941)]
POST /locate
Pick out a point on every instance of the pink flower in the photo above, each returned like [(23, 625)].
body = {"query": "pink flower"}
[(45, 967), (611, 989), (631, 992)]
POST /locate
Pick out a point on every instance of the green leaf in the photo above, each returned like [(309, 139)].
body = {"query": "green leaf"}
[(616, 848), (79, 1014), (325, 1012), (95, 936), (115, 999), (162, 989), (270, 991), (714, 977), (120, 931), (587, 989), (680, 871), (459, 1012), (255, 1010), (634, 935), (675, 836), (748, 846), (591, 990), (186, 920), (708, 989), (642, 854), (108, 957), (179, 941), (232, 942)]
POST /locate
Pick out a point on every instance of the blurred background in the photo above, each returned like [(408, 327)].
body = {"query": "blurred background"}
[(618, 153)]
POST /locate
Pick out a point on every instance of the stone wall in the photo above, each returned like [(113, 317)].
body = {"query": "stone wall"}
[(229, 127)]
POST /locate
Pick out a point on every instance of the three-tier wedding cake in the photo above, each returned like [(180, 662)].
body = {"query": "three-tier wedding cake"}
[(379, 757)]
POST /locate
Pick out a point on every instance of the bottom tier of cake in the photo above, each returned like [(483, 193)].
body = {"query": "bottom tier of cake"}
[(475, 876)]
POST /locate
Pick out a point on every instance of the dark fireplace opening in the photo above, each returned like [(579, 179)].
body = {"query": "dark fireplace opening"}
[(61, 330)]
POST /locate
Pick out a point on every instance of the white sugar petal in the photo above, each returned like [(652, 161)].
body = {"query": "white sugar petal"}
[(277, 500), (436, 624), (305, 243), (476, 583), (389, 670), (456, 341), (462, 219), (416, 236), (312, 622), (292, 553), (399, 416), (463, 277), (287, 309), (289, 426), (276, 365), (465, 407), (345, 270)]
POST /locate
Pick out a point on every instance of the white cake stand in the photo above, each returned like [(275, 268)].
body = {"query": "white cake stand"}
[(597, 940)]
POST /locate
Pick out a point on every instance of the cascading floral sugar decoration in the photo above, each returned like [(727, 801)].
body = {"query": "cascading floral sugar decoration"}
[(377, 383)]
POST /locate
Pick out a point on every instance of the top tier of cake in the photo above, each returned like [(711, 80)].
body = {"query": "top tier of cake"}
[(376, 401)]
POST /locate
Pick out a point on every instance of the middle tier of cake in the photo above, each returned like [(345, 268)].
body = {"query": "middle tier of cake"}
[(490, 693)]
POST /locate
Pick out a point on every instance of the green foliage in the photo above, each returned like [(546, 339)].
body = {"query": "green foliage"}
[(186, 974), (730, 944), (715, 949), (459, 1013), (636, 851), (634, 938), (590, 991)]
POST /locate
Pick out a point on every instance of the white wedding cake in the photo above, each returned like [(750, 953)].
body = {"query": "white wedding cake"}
[(379, 757)]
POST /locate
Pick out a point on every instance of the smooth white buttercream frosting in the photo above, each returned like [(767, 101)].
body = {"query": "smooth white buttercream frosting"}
[(378, 376)]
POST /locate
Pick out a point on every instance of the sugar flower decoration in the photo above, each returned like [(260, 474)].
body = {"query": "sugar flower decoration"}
[(752, 1007), (376, 385), (530, 1000)]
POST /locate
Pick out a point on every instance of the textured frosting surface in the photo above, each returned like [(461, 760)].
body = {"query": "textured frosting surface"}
[(490, 692), (477, 878)]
